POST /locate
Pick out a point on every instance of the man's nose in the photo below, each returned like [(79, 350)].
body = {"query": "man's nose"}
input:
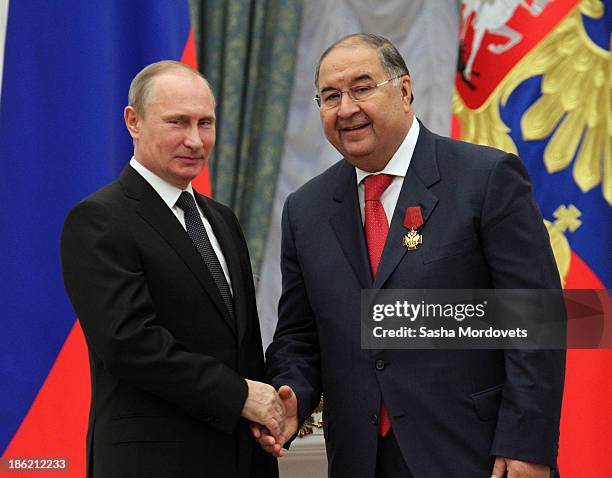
[(347, 107), (193, 138)]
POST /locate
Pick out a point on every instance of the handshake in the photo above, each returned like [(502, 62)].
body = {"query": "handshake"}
[(273, 415)]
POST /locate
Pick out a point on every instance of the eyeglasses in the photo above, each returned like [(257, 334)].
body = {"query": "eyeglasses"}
[(360, 92)]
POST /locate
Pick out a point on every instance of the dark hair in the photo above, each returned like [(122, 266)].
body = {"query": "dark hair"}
[(391, 60)]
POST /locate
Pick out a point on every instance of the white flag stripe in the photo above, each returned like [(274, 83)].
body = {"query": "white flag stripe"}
[(4, 4)]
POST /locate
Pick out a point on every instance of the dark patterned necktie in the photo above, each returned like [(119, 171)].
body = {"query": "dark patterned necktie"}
[(197, 233)]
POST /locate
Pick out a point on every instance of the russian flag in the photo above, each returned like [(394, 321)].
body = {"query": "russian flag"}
[(508, 75), (64, 82)]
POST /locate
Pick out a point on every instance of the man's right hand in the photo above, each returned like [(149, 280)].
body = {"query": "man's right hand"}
[(264, 406), (274, 444)]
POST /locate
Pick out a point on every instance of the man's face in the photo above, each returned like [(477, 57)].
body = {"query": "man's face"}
[(366, 133), (174, 135)]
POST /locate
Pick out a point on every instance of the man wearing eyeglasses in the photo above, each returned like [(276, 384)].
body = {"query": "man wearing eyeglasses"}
[(417, 413)]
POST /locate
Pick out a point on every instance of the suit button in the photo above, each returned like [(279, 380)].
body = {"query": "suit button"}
[(374, 419), (380, 365)]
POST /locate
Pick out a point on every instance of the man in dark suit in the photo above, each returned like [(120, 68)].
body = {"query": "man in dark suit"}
[(403, 413), (161, 281)]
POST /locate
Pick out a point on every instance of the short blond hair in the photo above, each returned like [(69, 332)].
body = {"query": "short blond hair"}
[(140, 87)]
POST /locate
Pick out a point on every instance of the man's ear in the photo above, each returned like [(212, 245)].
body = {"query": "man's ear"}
[(132, 121), (406, 91)]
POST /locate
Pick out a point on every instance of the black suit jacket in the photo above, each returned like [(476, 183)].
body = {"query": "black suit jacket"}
[(167, 365), (452, 411)]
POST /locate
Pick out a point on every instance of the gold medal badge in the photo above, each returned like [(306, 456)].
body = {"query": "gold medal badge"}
[(413, 220), (412, 240)]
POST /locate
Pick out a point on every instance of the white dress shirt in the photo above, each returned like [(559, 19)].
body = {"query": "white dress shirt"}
[(397, 167), (170, 195)]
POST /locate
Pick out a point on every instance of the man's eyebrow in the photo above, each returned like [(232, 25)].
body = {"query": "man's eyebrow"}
[(364, 76), (328, 88), (184, 117), (173, 115)]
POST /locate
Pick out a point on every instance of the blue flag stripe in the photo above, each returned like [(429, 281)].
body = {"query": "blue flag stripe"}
[(67, 68)]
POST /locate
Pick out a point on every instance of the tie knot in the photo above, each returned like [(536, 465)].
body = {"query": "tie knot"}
[(186, 202), (375, 185)]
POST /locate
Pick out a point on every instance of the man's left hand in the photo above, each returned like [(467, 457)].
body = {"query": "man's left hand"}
[(262, 435), (518, 469)]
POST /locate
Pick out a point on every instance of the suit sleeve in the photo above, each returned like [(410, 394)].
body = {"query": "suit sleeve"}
[(519, 256), (107, 286), (293, 357)]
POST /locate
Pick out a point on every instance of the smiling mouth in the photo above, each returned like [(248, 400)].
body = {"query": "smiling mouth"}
[(357, 127)]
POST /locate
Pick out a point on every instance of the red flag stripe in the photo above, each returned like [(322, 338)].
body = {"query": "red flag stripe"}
[(202, 182), (67, 390)]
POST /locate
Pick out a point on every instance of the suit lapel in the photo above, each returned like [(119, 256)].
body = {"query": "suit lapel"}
[(154, 211), (346, 222), (229, 247), (422, 173)]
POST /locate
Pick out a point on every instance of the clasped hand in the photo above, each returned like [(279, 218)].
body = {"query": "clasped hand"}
[(506, 467), (273, 415)]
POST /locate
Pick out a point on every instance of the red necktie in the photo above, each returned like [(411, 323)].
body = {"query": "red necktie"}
[(376, 230)]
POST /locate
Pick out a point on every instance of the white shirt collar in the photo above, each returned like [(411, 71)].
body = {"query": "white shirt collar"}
[(166, 191), (400, 161)]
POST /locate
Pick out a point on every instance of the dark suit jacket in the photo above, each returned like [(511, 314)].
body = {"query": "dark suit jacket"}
[(167, 365), (452, 411)]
